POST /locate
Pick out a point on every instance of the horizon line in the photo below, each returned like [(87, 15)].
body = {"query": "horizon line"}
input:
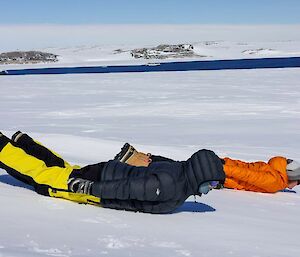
[(150, 24)]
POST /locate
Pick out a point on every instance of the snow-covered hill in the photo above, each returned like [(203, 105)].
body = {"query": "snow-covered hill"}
[(247, 114), (112, 44), (93, 55)]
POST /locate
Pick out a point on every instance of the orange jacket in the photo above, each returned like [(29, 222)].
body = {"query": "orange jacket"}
[(256, 176)]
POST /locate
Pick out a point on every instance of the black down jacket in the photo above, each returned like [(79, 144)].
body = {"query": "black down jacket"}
[(159, 188)]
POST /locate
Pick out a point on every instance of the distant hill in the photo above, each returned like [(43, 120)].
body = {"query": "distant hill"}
[(23, 57), (165, 51)]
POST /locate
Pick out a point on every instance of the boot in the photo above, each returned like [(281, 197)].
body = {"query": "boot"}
[(15, 137), (131, 156)]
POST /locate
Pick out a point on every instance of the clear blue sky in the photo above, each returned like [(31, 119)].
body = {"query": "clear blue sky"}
[(150, 12)]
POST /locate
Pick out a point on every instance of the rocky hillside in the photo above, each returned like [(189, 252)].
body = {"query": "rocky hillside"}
[(165, 51), (23, 57)]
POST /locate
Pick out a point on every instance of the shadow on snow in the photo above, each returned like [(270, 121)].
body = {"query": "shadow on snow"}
[(188, 206), (9, 180)]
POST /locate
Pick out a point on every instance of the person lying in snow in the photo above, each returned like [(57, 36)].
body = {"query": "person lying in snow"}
[(279, 173), (160, 188)]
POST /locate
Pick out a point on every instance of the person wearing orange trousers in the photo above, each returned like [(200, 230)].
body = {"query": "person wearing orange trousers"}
[(266, 177)]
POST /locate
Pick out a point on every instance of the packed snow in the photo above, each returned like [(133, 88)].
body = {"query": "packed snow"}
[(246, 114)]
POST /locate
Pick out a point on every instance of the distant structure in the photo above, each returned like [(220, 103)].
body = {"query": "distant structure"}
[(26, 57), (165, 51)]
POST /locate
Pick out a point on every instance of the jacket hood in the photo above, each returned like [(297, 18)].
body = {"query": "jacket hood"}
[(201, 167)]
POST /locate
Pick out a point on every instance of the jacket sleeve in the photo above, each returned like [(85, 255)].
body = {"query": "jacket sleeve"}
[(154, 187), (269, 177)]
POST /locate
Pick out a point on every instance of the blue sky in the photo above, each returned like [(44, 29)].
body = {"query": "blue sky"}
[(150, 12)]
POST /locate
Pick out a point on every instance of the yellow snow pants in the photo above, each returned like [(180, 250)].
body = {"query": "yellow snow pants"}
[(34, 164)]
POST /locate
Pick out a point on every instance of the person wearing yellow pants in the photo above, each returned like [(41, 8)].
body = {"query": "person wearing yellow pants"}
[(160, 188), (34, 164)]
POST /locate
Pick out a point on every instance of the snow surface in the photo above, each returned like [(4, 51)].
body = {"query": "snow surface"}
[(246, 114)]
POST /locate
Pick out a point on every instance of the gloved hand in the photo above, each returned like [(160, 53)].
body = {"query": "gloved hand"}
[(204, 188), (80, 186)]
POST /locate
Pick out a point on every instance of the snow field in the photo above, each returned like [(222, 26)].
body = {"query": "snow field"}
[(246, 114)]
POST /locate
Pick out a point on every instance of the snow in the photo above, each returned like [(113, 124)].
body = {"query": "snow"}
[(246, 114)]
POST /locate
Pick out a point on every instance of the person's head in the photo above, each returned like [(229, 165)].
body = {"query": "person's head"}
[(293, 172)]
